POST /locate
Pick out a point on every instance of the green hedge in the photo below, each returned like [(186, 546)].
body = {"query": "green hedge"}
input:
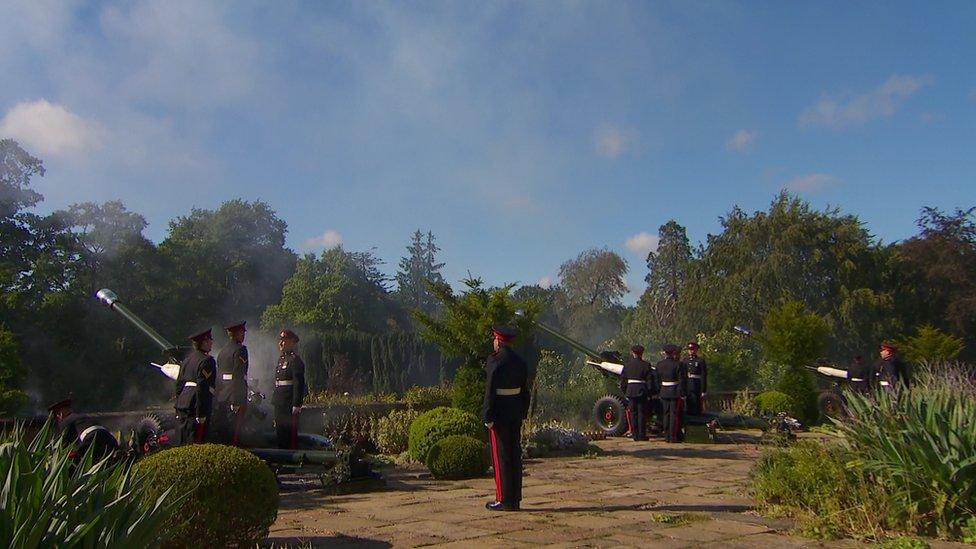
[(773, 402), (457, 457), (437, 424), (797, 383), (469, 389), (229, 496)]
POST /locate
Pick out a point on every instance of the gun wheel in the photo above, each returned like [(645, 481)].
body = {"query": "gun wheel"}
[(609, 413), (830, 404)]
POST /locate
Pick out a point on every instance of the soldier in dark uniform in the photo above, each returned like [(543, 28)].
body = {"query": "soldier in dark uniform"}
[(289, 391), (195, 389), (672, 380), (635, 380), (506, 405), (859, 375), (890, 370), (83, 433), (697, 380), (654, 396), (231, 401)]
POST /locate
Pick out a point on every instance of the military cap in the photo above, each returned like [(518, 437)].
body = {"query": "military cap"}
[(288, 334), (502, 333), (201, 335), (693, 345), (638, 349), (66, 403), (890, 346), (670, 349), (235, 327)]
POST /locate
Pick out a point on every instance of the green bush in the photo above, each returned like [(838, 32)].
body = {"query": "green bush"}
[(48, 501), (428, 397), (743, 404), (457, 457), (797, 384), (469, 389), (773, 402), (393, 431), (231, 497), (439, 423)]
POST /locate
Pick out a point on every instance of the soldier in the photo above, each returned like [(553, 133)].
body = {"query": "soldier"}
[(289, 391), (506, 405), (890, 370), (635, 380), (195, 388), (859, 375), (231, 395), (671, 373), (697, 380), (82, 432)]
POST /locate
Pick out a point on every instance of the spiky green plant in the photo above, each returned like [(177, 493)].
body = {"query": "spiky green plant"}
[(920, 443), (48, 500)]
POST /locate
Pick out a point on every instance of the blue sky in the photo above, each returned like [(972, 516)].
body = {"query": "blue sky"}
[(519, 133)]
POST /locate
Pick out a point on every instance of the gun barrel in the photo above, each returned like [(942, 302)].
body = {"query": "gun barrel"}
[(111, 300), (590, 353)]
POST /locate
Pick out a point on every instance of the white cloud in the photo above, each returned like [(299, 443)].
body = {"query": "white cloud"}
[(545, 282), (612, 142), (741, 141), (810, 183), (49, 129), (327, 240), (642, 243), (880, 102)]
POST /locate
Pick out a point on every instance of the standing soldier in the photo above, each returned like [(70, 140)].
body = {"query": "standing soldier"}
[(82, 432), (289, 391), (890, 370), (506, 405), (859, 375), (671, 373), (232, 384), (697, 380), (635, 380), (195, 388)]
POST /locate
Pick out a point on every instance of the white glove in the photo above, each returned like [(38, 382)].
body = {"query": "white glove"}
[(295, 410), (201, 420), (490, 424), (233, 408)]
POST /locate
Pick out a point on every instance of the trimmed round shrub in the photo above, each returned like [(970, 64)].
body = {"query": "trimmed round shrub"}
[(393, 431), (773, 402), (229, 496), (457, 457), (437, 424)]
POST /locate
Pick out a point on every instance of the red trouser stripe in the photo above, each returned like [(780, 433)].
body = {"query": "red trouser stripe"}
[(294, 431), (497, 464), (630, 424), (676, 429), (237, 423), (199, 438)]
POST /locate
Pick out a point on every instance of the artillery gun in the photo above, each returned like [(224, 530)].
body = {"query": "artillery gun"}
[(319, 455)]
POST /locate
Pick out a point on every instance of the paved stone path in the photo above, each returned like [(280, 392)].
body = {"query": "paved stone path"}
[(648, 494)]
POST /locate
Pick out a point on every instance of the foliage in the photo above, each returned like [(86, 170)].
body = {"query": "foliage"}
[(393, 431), (423, 397), (457, 457), (438, 424), (930, 344), (469, 389), (794, 337), (731, 359), (231, 497), (552, 437), (773, 402), (920, 445), (419, 267), (49, 501), (797, 383), (743, 404), (592, 286), (566, 392)]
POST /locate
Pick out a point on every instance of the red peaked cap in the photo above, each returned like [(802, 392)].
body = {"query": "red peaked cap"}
[(202, 335), (503, 333), (288, 334), (890, 346), (235, 327), (66, 403), (693, 345)]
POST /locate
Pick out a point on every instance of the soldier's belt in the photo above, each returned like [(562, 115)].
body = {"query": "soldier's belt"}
[(90, 431), (508, 392), (885, 384), (694, 376), (284, 383), (668, 383), (636, 381), (856, 379), (190, 384), (227, 377)]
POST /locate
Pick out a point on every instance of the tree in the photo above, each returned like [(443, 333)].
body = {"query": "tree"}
[(930, 344), (418, 268), (592, 287), (795, 337), (462, 330)]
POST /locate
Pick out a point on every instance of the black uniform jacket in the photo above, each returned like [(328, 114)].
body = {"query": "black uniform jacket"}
[(232, 374), (506, 387), (200, 370), (671, 377), (891, 370), (696, 367), (290, 388), (860, 373), (636, 378), (73, 426)]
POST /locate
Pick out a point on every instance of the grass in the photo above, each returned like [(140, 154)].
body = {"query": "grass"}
[(678, 519)]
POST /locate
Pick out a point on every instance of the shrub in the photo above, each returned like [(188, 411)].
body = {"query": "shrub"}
[(797, 384), (428, 397), (393, 431), (231, 497), (48, 501), (439, 423), (931, 344), (743, 404), (469, 389), (773, 402), (457, 457), (554, 437), (571, 401)]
